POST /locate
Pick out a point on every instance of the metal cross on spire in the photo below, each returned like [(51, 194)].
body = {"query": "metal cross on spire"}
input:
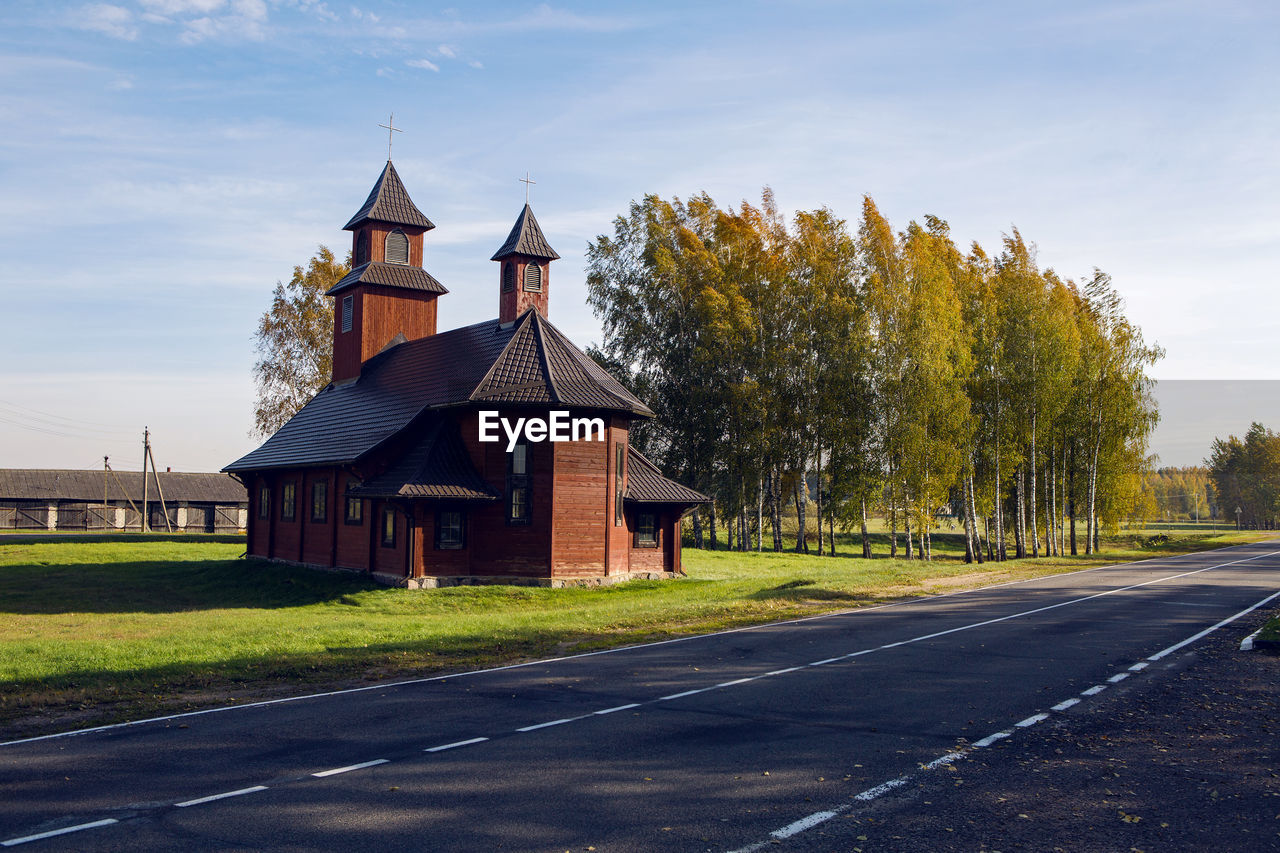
[(526, 180), (391, 128)]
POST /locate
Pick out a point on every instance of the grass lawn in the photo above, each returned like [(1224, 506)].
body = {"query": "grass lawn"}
[(101, 628)]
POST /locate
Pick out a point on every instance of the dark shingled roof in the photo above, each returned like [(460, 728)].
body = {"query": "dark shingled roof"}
[(542, 366), (389, 201), (646, 485), (526, 239), (436, 467), (529, 361), (39, 484), (389, 275)]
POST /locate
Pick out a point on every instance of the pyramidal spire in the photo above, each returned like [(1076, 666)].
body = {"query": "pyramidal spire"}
[(526, 238), (389, 201)]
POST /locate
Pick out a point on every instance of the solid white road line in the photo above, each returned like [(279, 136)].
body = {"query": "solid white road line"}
[(14, 842), (221, 796), (626, 707), (348, 769), (1164, 652), (681, 695), (825, 661), (455, 744)]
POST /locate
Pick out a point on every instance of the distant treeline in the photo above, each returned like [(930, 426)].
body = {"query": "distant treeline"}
[(1179, 494), (1246, 477), (903, 376)]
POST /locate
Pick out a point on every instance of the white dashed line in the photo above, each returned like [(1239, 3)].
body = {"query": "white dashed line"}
[(882, 789), (990, 739), (537, 726), (14, 842), (221, 796), (1032, 720), (442, 747), (804, 823), (943, 761), (1065, 704), (1094, 690), (349, 768), (1118, 677), (1138, 667), (618, 708)]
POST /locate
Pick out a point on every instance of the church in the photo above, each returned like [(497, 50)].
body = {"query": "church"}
[(407, 467)]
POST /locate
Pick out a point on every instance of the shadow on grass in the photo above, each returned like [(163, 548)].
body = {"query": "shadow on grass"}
[(170, 587), (71, 537), (802, 590)]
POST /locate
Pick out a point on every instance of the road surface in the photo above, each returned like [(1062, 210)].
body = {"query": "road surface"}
[(728, 742)]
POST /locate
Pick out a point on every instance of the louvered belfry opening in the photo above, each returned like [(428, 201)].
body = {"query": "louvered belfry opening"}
[(533, 278), (397, 251), (508, 277)]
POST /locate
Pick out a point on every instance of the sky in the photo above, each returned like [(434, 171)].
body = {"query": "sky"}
[(166, 162)]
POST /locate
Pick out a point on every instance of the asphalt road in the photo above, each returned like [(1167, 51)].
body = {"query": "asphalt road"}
[(733, 741)]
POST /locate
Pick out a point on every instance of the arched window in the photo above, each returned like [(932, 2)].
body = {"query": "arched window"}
[(508, 277), (397, 248), (533, 278), (362, 248)]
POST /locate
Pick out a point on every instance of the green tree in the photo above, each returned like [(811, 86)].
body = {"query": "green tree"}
[(295, 342)]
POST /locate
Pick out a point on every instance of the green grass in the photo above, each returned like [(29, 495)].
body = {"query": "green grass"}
[(97, 628)]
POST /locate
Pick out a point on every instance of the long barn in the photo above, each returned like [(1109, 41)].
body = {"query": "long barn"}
[(56, 499)]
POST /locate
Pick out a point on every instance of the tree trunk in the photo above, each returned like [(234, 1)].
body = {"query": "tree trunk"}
[(697, 528), (1019, 513), (1091, 529), (1001, 554), (802, 499), (1051, 511), (831, 528), (973, 515), (711, 525), (1071, 500), (866, 540), (893, 525), (775, 508), (760, 513), (1035, 528), (819, 501), (906, 521)]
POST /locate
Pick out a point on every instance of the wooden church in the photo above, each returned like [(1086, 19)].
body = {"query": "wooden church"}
[(384, 471)]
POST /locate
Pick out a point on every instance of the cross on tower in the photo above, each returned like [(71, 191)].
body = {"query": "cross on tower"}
[(526, 180), (391, 128)]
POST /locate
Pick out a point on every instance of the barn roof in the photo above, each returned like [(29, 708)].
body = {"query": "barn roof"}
[(646, 485), (38, 484), (526, 238), (389, 275), (525, 362), (436, 467), (389, 201)]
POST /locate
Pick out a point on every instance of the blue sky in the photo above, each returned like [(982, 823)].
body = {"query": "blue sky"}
[(165, 162)]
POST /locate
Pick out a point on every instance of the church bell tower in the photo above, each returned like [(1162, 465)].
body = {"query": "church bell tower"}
[(523, 272), (387, 296)]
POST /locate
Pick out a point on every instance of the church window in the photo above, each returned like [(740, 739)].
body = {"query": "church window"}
[(362, 249), (348, 308), (320, 501), (508, 277), (397, 248), (646, 530), (388, 527), (533, 278), (450, 530), (355, 506), (519, 488), (620, 459), (264, 502), (287, 492)]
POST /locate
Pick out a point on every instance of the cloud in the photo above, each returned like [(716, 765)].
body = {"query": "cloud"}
[(244, 20), (447, 51), (115, 21), (422, 63), (181, 8), (544, 17)]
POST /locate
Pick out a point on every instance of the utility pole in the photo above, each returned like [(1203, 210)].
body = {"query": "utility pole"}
[(146, 454), (105, 468)]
